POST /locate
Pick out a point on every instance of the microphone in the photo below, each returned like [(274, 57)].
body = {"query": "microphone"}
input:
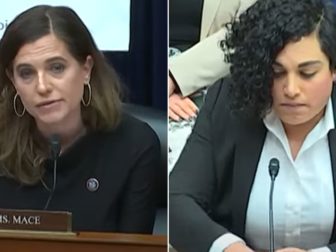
[(273, 169), (55, 145)]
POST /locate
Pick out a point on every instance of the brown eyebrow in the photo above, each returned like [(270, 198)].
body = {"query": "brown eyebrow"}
[(47, 61), (22, 65), (301, 65), (55, 59)]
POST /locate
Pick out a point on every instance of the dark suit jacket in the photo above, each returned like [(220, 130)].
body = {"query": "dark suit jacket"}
[(212, 180), (124, 161)]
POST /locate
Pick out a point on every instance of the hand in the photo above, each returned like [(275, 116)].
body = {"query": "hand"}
[(181, 107), (290, 249), (171, 86), (238, 247)]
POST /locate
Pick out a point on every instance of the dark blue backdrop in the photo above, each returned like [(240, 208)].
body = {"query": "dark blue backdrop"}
[(144, 68)]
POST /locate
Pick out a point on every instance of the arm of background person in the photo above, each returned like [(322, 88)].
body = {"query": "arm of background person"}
[(181, 107), (203, 64)]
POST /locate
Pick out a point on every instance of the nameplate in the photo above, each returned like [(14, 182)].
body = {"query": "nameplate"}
[(36, 220)]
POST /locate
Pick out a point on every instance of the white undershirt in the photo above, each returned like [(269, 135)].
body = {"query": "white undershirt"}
[(303, 199)]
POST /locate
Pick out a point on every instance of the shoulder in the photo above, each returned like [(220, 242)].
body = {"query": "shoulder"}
[(229, 9), (218, 98), (136, 127), (236, 6), (217, 109), (130, 133)]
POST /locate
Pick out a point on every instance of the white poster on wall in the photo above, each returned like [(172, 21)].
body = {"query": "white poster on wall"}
[(108, 21)]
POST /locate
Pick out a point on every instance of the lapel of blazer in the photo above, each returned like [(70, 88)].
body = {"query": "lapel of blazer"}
[(332, 147), (247, 156), (210, 8)]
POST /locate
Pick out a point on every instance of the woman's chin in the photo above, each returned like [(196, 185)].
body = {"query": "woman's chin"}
[(49, 119)]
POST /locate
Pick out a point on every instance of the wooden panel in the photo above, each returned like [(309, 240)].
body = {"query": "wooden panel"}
[(18, 241)]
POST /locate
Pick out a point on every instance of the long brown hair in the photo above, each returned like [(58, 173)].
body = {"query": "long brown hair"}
[(23, 150)]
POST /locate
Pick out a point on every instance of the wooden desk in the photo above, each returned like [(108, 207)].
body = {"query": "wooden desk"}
[(27, 241)]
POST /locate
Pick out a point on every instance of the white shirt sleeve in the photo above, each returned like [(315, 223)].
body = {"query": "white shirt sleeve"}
[(322, 249), (226, 240)]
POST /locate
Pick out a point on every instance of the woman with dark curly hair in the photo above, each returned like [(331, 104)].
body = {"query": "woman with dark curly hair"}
[(278, 103)]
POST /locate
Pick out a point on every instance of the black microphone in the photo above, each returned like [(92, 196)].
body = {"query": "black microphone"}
[(273, 169), (55, 146)]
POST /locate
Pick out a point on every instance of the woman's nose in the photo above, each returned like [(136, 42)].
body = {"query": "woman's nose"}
[(292, 86), (42, 84)]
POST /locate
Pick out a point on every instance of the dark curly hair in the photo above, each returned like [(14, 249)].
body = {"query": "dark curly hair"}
[(260, 33)]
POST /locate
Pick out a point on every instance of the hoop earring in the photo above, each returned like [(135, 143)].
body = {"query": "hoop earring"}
[(14, 105), (88, 102)]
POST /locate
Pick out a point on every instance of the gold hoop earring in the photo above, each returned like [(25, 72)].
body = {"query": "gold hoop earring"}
[(88, 102), (14, 105)]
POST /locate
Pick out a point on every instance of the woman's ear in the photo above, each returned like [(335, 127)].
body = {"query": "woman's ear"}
[(88, 65)]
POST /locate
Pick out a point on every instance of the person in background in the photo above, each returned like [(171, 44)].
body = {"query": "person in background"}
[(278, 102), (196, 29), (55, 84)]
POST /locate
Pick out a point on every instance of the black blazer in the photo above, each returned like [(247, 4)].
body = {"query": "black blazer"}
[(124, 162), (212, 180)]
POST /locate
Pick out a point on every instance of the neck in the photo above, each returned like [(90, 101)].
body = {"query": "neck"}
[(68, 134), (300, 131), (296, 134), (68, 138)]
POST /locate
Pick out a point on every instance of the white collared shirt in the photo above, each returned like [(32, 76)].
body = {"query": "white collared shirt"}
[(303, 199)]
